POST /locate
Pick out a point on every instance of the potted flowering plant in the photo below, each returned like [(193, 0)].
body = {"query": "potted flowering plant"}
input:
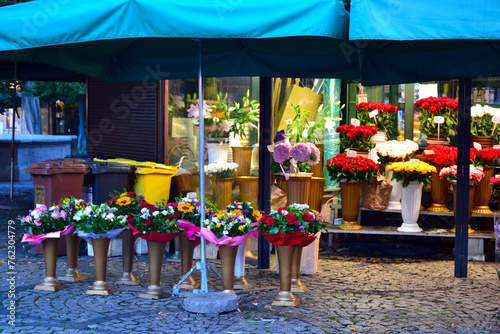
[(351, 173), (71, 205), (413, 176), (46, 225), (290, 228), (383, 120), (227, 230), (441, 156), (475, 176), (482, 125), (395, 151), (221, 170), (485, 158), (99, 224), (244, 114), (224, 174), (438, 106), (297, 158), (356, 137)]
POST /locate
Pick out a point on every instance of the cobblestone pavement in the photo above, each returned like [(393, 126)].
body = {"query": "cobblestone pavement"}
[(348, 294)]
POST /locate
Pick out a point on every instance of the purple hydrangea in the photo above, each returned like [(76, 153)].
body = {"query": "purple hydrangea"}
[(300, 152), (315, 151), (282, 152)]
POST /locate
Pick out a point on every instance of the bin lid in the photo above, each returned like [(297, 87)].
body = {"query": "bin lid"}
[(102, 167), (62, 166), (171, 170), (148, 164)]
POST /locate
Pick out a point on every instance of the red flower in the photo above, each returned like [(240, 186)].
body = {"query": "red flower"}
[(170, 217), (149, 222), (308, 217), (143, 204), (291, 219), (132, 194), (280, 210), (130, 219), (268, 220)]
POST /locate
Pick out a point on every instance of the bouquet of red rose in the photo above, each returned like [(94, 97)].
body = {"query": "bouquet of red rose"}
[(356, 137), (357, 169), (295, 225), (438, 106), (485, 157), (156, 223), (439, 155), (385, 118), (495, 185)]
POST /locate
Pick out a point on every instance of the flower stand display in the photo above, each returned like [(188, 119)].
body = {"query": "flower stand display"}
[(50, 283), (72, 247), (128, 247), (239, 281), (100, 286), (351, 194)]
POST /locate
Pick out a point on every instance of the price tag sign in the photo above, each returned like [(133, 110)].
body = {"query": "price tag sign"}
[(355, 122), (373, 113), (362, 98), (429, 152), (414, 161), (438, 119), (477, 146), (496, 119), (352, 154)]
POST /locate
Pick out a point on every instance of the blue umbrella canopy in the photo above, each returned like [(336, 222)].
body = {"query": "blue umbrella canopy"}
[(418, 41), (133, 40)]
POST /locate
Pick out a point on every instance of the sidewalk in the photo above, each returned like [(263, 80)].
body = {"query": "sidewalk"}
[(350, 293)]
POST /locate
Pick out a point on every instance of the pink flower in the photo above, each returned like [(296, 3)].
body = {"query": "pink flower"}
[(37, 222), (55, 214), (282, 152), (63, 215), (315, 151), (300, 152)]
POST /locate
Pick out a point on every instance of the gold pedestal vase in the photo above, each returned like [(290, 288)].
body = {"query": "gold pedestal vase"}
[(316, 193), (155, 250), (239, 282), (439, 192), (223, 192), (128, 251), (350, 193), (297, 285), (186, 247), (484, 141), (249, 189), (100, 286), (482, 194), (298, 187), (281, 181), (285, 296), (72, 248), (472, 190), (242, 155), (228, 258), (50, 283)]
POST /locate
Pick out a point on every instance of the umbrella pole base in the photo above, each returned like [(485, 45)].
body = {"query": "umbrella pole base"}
[(127, 279), (72, 275)]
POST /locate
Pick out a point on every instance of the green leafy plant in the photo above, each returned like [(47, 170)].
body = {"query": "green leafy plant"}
[(483, 126), (246, 113)]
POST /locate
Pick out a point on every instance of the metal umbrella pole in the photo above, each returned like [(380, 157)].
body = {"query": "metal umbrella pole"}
[(13, 151)]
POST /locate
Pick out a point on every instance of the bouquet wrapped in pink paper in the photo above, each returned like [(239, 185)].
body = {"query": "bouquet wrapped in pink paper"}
[(44, 222), (156, 223), (228, 228)]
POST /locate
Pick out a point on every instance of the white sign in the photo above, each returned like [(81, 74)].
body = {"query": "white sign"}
[(373, 113), (438, 119), (429, 152), (352, 154), (338, 221), (355, 122), (414, 161), (477, 146), (496, 119)]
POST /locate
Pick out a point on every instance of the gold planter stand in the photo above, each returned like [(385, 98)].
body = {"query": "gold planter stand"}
[(439, 192), (298, 187), (351, 193), (72, 247), (128, 242), (285, 296), (242, 155), (187, 248), (228, 258), (100, 286), (483, 193), (50, 283), (154, 291), (249, 189), (297, 285), (223, 192), (471, 202), (316, 193)]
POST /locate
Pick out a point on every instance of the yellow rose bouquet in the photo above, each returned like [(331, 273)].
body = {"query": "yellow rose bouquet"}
[(406, 172)]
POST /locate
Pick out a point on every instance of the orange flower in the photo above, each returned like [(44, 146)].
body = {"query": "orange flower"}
[(220, 115), (185, 207)]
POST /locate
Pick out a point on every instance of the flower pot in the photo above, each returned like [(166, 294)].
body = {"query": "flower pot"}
[(128, 250), (297, 285), (482, 194), (242, 155), (228, 258), (186, 247), (50, 283), (223, 192), (379, 137), (484, 141), (472, 188), (217, 152), (298, 187), (249, 189), (439, 192), (239, 281), (281, 181), (183, 184), (155, 251), (100, 286), (316, 193), (351, 194), (72, 248), (433, 140), (285, 296), (411, 196), (395, 200), (361, 152), (317, 169)]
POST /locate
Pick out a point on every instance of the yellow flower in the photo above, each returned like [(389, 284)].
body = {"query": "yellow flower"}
[(123, 201), (241, 228), (123, 195), (237, 212), (185, 207), (149, 202), (257, 214), (220, 115), (78, 206), (219, 214), (217, 225), (66, 201)]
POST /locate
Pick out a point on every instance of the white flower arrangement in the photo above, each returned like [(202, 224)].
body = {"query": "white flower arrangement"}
[(393, 150), (221, 169)]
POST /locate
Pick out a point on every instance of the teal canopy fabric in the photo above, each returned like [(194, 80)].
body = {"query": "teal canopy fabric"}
[(133, 40), (418, 41)]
